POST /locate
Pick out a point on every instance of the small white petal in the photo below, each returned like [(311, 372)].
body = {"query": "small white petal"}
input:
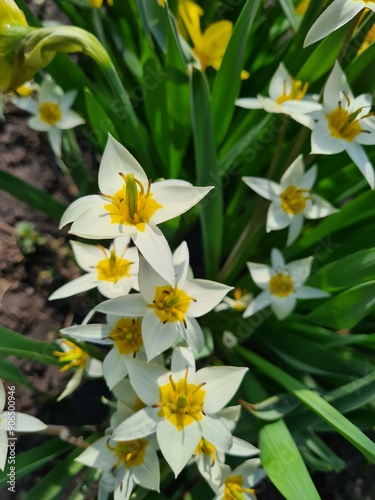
[(149, 280), (78, 207), (248, 103), (147, 474), (300, 270), (50, 92), (141, 424), (35, 123), (308, 292), (55, 139), (319, 208), (96, 333), (129, 306), (94, 368), (69, 120), (216, 432), (181, 263), (359, 157), (309, 178), (277, 259), (72, 385), (28, 105), (2, 396), (280, 82), (98, 455), (25, 423), (78, 285), (260, 302), (294, 174), (283, 306), (182, 357), (143, 377), (241, 448), (114, 367), (207, 294), (322, 142), (294, 229), (260, 273), (277, 218), (192, 334), (123, 484), (68, 99), (268, 189), (157, 337)]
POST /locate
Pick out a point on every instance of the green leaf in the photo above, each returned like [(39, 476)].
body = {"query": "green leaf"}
[(207, 173), (317, 454), (283, 463), (272, 408), (31, 460), (314, 402), (99, 121), (23, 347), (10, 372), (31, 195), (347, 309), (227, 81), (288, 8)]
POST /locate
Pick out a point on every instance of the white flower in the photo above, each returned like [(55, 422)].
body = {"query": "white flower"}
[(76, 358), (240, 482), (229, 340), (124, 465), (287, 96), (52, 112), (338, 13), (282, 285), (345, 123), (168, 312), (240, 301), (123, 334), (130, 205), (182, 407), (21, 423), (114, 271), (292, 199)]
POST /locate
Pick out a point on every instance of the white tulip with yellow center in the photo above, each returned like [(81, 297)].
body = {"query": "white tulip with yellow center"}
[(21, 423), (287, 96), (282, 285), (338, 13), (130, 205), (52, 112), (113, 271), (345, 123), (292, 199), (182, 407), (239, 483), (123, 334), (124, 464), (168, 312), (241, 299)]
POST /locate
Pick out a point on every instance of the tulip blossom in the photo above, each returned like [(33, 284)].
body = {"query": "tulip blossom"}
[(345, 123), (292, 199), (282, 285), (168, 312), (338, 13), (114, 271), (21, 423), (131, 205), (287, 96), (182, 407), (240, 482)]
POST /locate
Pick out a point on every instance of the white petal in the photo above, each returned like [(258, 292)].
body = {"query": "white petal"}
[(72, 385), (309, 178), (280, 81), (277, 218), (283, 306), (143, 377), (336, 15), (207, 295), (177, 446), (26, 104), (295, 107), (336, 85), (26, 423), (114, 367), (123, 484), (216, 432), (319, 208), (50, 92), (149, 280), (87, 256), (35, 123), (294, 174), (96, 333), (210, 471), (116, 158), (129, 306), (367, 137), (308, 292), (98, 455), (230, 415), (250, 471), (322, 142), (359, 157), (300, 270), (78, 207), (181, 263), (182, 357), (193, 334), (69, 120), (305, 120), (78, 285), (147, 474), (106, 485), (260, 273), (176, 201), (248, 103), (155, 249), (141, 424), (96, 224), (2, 396), (3, 448), (94, 368), (277, 259), (221, 384), (268, 189), (68, 99), (294, 229), (55, 139), (119, 289), (241, 448), (157, 337), (260, 302)]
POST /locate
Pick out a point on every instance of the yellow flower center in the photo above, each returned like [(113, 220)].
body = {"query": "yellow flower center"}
[(302, 7), (234, 489), (170, 304), (343, 125), (127, 336), (131, 205), (293, 200), (281, 285), (207, 449), (297, 92), (181, 403), (129, 453), (112, 268), (75, 357), (50, 113), (238, 293)]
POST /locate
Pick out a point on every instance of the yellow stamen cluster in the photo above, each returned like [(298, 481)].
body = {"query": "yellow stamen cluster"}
[(206, 448), (112, 268), (132, 205), (75, 357), (129, 453), (238, 293), (234, 489), (181, 403), (170, 304), (281, 285), (293, 199), (344, 125), (297, 92), (50, 113), (127, 335), (97, 4)]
